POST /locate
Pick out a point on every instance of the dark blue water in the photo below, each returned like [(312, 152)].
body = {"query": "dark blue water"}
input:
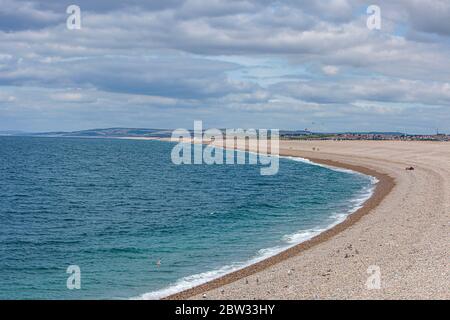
[(115, 207)]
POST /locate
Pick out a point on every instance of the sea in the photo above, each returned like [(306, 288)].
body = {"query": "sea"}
[(133, 225)]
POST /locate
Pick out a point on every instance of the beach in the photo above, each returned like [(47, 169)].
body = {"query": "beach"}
[(402, 232)]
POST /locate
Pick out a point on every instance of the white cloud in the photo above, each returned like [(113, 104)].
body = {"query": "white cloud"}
[(151, 58), (330, 70), (6, 98)]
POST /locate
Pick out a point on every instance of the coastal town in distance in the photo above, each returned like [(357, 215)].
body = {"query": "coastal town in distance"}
[(284, 134)]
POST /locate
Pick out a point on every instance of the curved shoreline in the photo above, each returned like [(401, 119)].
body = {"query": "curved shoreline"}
[(384, 186)]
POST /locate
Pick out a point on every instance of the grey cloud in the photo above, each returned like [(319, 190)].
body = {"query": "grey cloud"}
[(175, 76), (139, 59), (382, 90), (19, 15), (430, 16)]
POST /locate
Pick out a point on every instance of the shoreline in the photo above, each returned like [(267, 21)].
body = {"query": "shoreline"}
[(383, 187)]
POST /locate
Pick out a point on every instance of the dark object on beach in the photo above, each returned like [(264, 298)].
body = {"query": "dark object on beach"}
[(410, 168)]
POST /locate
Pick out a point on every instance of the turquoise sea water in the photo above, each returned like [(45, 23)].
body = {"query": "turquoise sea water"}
[(116, 207)]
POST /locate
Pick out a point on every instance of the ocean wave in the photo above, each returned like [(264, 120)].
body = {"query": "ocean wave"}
[(303, 160), (289, 240), (188, 282)]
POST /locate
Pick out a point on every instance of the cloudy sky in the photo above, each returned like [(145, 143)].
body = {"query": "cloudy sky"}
[(255, 64)]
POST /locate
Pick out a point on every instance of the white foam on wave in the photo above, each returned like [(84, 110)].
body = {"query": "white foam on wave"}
[(290, 240), (299, 159), (188, 282), (356, 204), (200, 278)]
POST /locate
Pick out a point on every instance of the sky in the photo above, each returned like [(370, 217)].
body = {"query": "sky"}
[(232, 64)]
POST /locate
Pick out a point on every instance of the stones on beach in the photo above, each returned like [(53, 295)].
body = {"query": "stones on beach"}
[(326, 274), (352, 252)]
